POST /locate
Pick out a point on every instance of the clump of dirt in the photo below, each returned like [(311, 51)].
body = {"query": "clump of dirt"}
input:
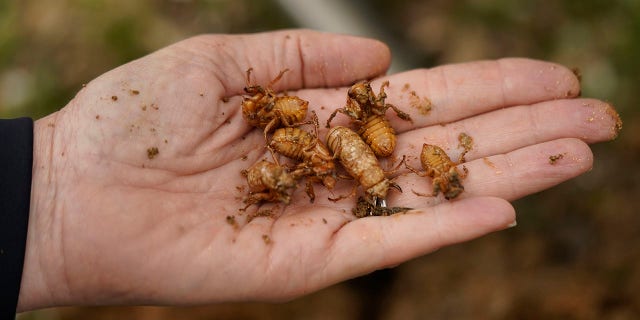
[(152, 152), (554, 158), (465, 142), (618, 122), (231, 220), (422, 104)]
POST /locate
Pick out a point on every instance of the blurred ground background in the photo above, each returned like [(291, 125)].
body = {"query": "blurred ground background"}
[(575, 252)]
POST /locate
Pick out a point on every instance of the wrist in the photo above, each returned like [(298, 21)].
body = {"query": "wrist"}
[(41, 284)]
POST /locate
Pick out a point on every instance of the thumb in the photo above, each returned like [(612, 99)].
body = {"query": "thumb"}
[(314, 59)]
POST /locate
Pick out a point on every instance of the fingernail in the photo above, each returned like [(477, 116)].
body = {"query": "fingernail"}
[(512, 224)]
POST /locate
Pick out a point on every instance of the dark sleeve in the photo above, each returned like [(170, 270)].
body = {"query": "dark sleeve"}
[(16, 159)]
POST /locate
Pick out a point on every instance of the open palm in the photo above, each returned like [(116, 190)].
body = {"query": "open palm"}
[(137, 185)]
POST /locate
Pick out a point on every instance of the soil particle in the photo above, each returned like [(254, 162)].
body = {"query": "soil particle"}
[(231, 220), (616, 118), (465, 142), (554, 158), (152, 152), (422, 104)]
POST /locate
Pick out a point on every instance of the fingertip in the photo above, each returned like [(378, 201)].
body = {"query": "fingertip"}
[(577, 157), (571, 77), (567, 79), (555, 161), (481, 215), (616, 126), (536, 80), (330, 59)]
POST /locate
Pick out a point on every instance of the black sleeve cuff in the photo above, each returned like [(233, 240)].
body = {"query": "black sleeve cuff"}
[(16, 160)]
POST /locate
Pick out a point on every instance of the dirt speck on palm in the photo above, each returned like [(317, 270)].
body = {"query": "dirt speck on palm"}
[(152, 152), (231, 220)]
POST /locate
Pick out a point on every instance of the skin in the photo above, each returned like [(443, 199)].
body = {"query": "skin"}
[(110, 225)]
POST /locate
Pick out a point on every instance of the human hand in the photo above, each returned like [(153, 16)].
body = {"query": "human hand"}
[(112, 222)]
